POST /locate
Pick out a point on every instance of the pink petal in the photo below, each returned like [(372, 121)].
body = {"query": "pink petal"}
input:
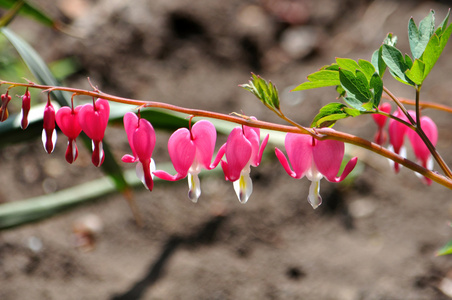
[(328, 155), (380, 119), (143, 140), (182, 151), (129, 158), (130, 121), (253, 136), (299, 151), (67, 120), (94, 120), (238, 153), (420, 149), (204, 137), (283, 160), (397, 132)]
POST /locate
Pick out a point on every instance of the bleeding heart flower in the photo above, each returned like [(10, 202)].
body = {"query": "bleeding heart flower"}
[(25, 109), (190, 151), (49, 135), (141, 137), (94, 119), (242, 151), (421, 151), (67, 120), (315, 159), (380, 120), (4, 107)]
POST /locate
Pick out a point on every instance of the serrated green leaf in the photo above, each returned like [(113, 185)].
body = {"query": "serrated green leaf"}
[(355, 84), (419, 37), (416, 73), (376, 84), (445, 250), (396, 63), (322, 78)]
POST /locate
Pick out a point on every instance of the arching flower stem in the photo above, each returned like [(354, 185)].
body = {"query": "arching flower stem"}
[(318, 134)]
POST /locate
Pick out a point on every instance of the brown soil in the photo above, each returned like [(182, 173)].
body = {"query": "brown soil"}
[(372, 239)]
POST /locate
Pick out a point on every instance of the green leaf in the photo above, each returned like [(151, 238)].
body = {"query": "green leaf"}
[(31, 11), (419, 37), (376, 85), (319, 79), (330, 113), (434, 49), (36, 65), (347, 64), (265, 91), (378, 62), (356, 85), (367, 68), (445, 250), (442, 27), (396, 63), (416, 73)]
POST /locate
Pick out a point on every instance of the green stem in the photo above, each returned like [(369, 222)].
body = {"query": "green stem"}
[(320, 133)]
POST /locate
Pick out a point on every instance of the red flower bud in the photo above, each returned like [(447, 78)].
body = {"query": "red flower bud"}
[(25, 109), (3, 109)]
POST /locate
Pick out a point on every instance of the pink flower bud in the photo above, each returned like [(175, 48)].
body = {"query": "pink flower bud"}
[(25, 109), (4, 109), (49, 135)]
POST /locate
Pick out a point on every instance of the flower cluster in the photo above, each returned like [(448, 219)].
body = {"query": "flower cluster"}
[(91, 118), (190, 149), (397, 132)]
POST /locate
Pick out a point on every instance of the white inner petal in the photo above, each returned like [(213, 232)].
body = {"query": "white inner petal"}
[(194, 187)]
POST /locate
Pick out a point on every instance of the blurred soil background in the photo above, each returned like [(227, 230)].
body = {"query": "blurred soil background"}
[(374, 238)]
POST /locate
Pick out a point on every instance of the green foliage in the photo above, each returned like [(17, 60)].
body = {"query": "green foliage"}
[(445, 250), (330, 113), (419, 37), (30, 11), (265, 91), (321, 78), (426, 46)]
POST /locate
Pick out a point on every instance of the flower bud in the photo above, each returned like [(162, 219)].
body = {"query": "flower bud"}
[(25, 109)]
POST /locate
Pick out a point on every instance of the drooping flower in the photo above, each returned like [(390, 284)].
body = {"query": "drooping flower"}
[(4, 107), (141, 137), (315, 159), (397, 132), (421, 151), (25, 109), (94, 119), (49, 135), (380, 120), (67, 120), (242, 151), (190, 151)]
